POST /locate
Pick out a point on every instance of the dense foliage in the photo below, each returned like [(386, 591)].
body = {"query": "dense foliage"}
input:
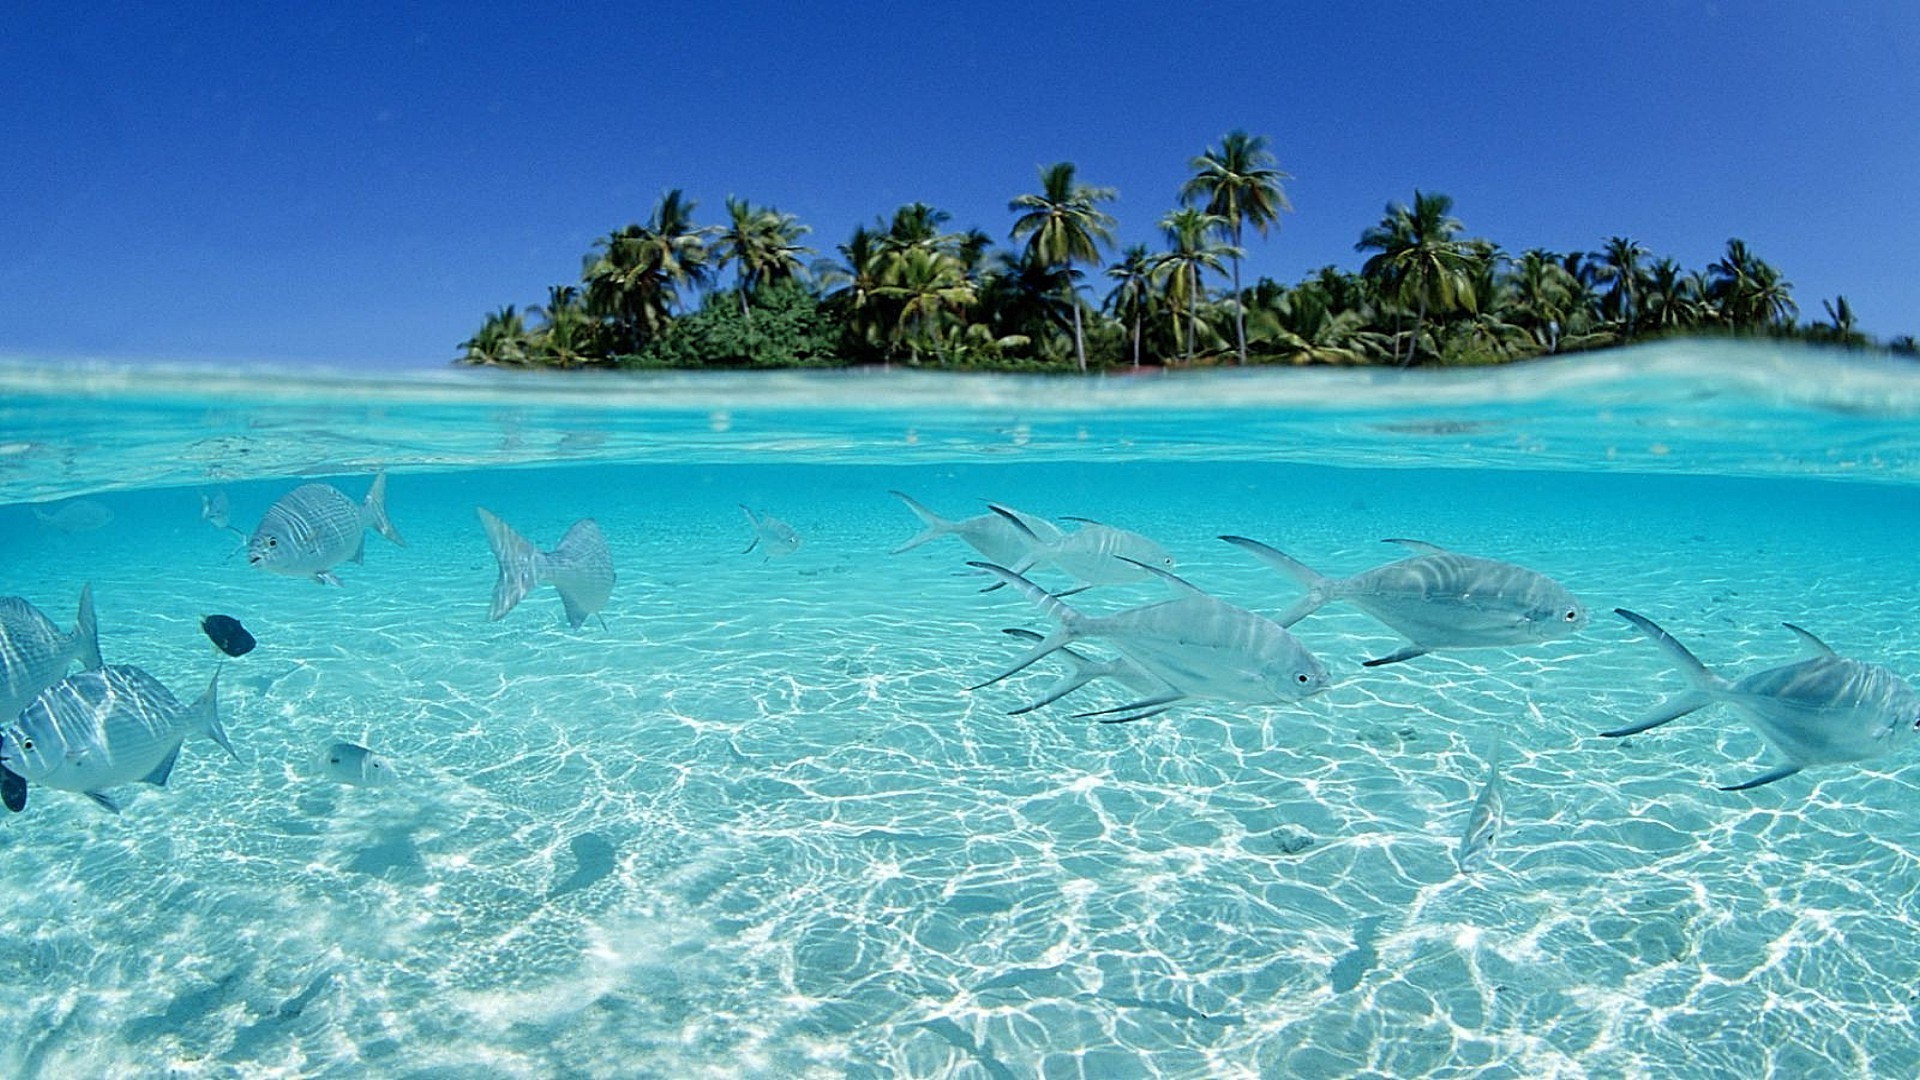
[(906, 290)]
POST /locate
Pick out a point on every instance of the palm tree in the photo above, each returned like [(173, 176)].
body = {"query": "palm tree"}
[(1841, 327), (1620, 263), (1418, 260), (762, 245), (501, 339), (1063, 225), (1190, 252), (928, 285), (565, 337), (636, 277), (1238, 184), (1132, 295)]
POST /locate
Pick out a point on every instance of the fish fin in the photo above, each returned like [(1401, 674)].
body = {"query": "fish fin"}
[(1406, 653), (1671, 709), (325, 577), (581, 568), (13, 790), (1420, 546), (1819, 646), (751, 544), (1140, 710), (359, 556), (1081, 520), (1690, 665), (375, 510), (936, 526), (158, 777), (86, 631), (752, 523), (1764, 778), (1175, 580), (1064, 593), (1319, 587), (209, 706), (520, 564), (112, 804), (1068, 618), (1083, 673), (1019, 521)]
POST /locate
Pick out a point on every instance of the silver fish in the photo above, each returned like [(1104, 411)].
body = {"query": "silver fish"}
[(99, 729), (581, 568), (35, 654), (1438, 599), (214, 509), (1200, 646), (1484, 820), (994, 535), (1094, 554), (1084, 669), (1823, 710), (75, 516), (351, 763), (315, 527), (770, 534)]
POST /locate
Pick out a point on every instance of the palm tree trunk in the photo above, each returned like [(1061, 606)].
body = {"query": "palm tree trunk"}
[(1239, 306), (1079, 341), (1136, 338)]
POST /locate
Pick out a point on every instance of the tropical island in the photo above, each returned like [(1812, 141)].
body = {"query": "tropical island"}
[(907, 291)]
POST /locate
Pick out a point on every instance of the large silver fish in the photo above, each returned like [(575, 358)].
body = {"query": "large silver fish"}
[(1823, 710), (581, 568), (994, 535), (1438, 599), (96, 730), (316, 527), (35, 654), (1095, 554), (1200, 646), (770, 534)]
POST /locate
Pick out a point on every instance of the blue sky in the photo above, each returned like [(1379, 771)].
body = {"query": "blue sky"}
[(357, 185)]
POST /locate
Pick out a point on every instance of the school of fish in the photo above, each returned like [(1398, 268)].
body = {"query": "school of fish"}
[(103, 726)]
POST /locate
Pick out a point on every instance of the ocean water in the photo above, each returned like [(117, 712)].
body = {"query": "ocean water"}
[(750, 821)]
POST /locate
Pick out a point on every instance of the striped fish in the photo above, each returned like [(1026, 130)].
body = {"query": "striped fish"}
[(1000, 536), (35, 654), (1438, 599), (1823, 710), (315, 527), (99, 729), (581, 568), (1096, 554), (770, 534), (1199, 646)]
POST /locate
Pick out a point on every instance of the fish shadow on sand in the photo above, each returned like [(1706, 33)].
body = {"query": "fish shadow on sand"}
[(594, 859), (393, 856)]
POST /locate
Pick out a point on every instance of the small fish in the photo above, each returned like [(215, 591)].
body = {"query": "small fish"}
[(35, 654), (994, 535), (1200, 646), (1438, 599), (98, 729), (75, 516), (214, 509), (1484, 820), (581, 568), (1824, 710), (315, 527), (227, 634), (1094, 554), (770, 534), (351, 763)]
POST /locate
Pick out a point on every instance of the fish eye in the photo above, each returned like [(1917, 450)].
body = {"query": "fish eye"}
[(1573, 616), (26, 744), (272, 542), (1301, 678)]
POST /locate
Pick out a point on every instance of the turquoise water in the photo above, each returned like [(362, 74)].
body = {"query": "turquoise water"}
[(752, 823)]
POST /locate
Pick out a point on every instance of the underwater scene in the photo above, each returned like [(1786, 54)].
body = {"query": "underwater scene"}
[(891, 725)]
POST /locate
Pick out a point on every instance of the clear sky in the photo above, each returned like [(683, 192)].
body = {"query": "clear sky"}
[(358, 184)]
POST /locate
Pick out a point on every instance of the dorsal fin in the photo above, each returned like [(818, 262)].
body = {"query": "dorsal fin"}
[(1420, 546), (1819, 646), (1015, 517), (1172, 579)]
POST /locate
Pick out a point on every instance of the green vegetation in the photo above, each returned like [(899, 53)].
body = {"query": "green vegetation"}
[(905, 291)]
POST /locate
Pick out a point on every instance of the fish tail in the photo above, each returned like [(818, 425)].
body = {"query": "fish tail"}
[(208, 710), (1070, 620), (1319, 587), (936, 526), (376, 509), (581, 569), (1689, 664), (520, 564), (86, 631)]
